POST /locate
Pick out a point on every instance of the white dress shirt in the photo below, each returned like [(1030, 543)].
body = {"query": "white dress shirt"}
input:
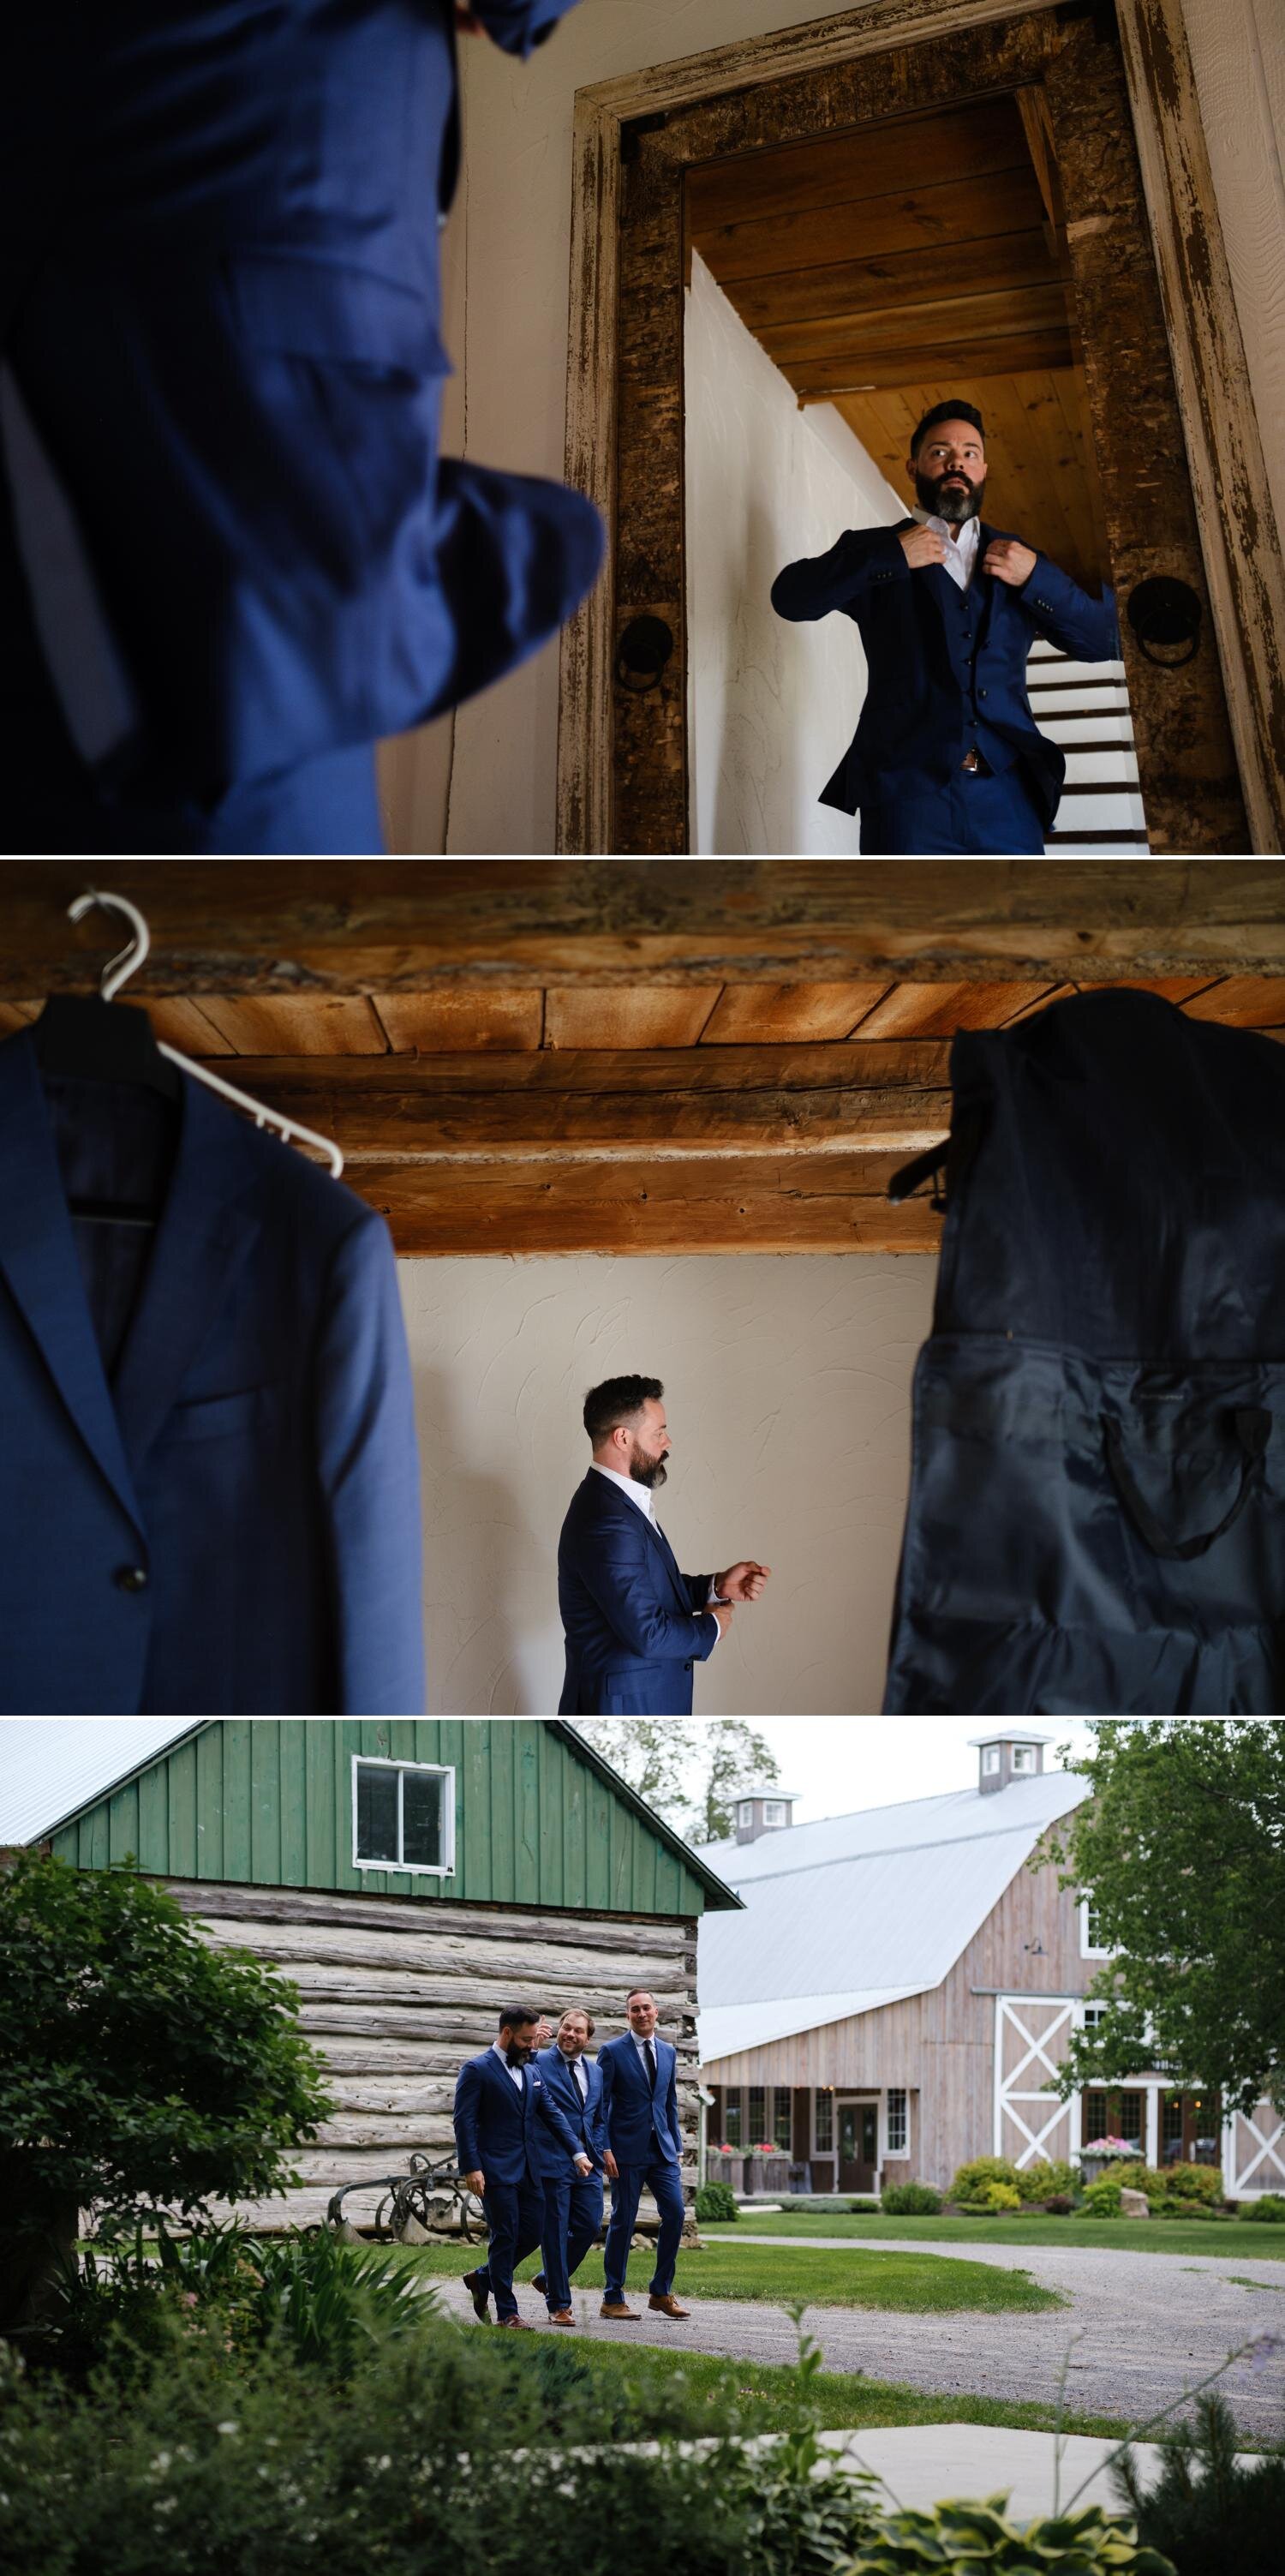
[(642, 2046), (514, 2071), (641, 1495), (577, 2075), (961, 545)]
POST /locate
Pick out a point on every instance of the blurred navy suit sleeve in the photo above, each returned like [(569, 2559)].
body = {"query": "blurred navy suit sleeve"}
[(518, 25), (368, 1473)]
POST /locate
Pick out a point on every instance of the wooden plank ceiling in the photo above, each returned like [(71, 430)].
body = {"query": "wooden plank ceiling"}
[(636, 1056), (913, 262)]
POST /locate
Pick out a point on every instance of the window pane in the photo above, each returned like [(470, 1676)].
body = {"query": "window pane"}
[(781, 2129), (896, 2123), (1095, 2117), (376, 1812), (825, 2124), (732, 2120), (422, 1818), (1130, 2117), (758, 2116)]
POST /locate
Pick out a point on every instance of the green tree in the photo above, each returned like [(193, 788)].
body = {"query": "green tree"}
[(1182, 1848), (141, 2066), (690, 1770)]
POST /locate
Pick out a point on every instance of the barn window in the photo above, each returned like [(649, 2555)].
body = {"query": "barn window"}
[(774, 1811), (782, 2132), (745, 1812), (1092, 1945), (758, 2116), (1023, 1757), (898, 2123), (990, 1758), (732, 2118), (403, 1817), (824, 2123)]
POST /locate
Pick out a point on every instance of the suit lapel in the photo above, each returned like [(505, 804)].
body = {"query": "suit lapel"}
[(39, 1258), (621, 1502), (201, 1241)]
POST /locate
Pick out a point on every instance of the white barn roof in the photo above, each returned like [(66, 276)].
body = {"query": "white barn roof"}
[(854, 1912), (52, 1766)]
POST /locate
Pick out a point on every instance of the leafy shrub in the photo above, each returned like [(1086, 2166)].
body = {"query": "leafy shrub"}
[(1136, 2176), (864, 2208), (999, 2195), (1036, 2181), (969, 2179), (716, 2200), (1269, 2211), (979, 2539), (1206, 2512), (1059, 2204), (1102, 2200), (1194, 2182), (1166, 2208), (910, 2200)]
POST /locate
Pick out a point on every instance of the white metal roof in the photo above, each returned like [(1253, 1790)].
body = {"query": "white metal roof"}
[(52, 1766), (854, 1912)]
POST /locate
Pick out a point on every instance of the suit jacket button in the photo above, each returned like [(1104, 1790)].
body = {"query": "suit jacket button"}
[(688, 1665), (981, 693), (131, 1578)]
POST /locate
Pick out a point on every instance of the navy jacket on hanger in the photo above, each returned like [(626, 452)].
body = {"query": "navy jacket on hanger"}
[(220, 303), (947, 669), (1096, 1523), (630, 1617), (210, 1491)]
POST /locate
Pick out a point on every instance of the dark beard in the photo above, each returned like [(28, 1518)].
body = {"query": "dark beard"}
[(954, 507), (647, 1471)]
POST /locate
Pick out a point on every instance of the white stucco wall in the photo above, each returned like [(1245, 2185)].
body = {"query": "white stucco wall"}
[(773, 706), (787, 1387)]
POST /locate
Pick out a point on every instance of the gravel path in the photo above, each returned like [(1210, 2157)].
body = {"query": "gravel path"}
[(1148, 2326)]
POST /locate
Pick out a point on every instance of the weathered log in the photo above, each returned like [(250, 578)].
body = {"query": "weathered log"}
[(666, 1935)]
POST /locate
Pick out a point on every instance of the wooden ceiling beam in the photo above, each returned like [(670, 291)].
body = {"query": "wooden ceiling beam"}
[(879, 292), (820, 380), (344, 927), (822, 1203)]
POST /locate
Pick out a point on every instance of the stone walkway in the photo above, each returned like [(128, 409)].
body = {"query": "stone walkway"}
[(1140, 2329)]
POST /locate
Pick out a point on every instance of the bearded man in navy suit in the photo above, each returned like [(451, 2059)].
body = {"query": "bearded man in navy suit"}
[(947, 756), (501, 2107), (572, 2199), (639, 2118), (635, 1626)]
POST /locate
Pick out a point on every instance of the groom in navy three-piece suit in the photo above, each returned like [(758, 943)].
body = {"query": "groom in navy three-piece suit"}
[(947, 756), (507, 2126), (635, 1625)]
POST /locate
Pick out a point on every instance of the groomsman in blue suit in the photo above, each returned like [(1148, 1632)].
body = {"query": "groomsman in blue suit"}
[(639, 2118), (502, 2107), (572, 2200)]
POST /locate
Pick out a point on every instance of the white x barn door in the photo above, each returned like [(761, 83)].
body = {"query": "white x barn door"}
[(1030, 2041)]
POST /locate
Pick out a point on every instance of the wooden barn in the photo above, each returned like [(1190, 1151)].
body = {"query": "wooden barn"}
[(898, 1995), (408, 1877)]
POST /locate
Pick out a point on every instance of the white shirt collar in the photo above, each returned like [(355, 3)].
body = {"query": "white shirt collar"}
[(641, 2044), (963, 536), (639, 1494), (514, 2071)]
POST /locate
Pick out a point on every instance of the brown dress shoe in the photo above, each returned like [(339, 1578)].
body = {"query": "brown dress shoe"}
[(561, 2317), (616, 2308), (668, 2306), (521, 2325)]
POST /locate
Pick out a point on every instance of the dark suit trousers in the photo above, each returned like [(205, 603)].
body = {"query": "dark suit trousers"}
[(514, 2218), (572, 2218), (915, 814), (665, 2185)]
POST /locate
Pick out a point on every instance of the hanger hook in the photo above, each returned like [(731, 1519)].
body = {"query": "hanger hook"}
[(118, 969)]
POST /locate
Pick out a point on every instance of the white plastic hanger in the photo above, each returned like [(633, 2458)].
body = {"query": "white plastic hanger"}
[(117, 972)]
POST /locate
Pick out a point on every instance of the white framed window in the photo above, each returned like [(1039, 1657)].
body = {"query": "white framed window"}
[(1023, 1757), (403, 1816), (774, 1811), (782, 2119), (745, 1812), (990, 1757), (732, 2118), (1092, 1945), (898, 2122), (823, 2123), (1094, 2016)]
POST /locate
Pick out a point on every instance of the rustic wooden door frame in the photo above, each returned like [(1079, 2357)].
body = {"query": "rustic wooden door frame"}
[(1235, 510)]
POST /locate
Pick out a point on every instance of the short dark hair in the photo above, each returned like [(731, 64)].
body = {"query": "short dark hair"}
[(513, 2015), (639, 1990), (616, 1401), (947, 411)]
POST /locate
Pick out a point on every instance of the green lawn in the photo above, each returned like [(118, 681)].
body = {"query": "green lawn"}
[(775, 2274), (1136, 2235)]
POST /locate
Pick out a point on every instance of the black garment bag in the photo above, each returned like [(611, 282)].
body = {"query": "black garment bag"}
[(1096, 1523)]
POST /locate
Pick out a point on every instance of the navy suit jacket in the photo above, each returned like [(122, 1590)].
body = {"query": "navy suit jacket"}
[(584, 2118), (639, 2125), (629, 1615), (244, 1438), (502, 2133), (915, 716), (223, 215)]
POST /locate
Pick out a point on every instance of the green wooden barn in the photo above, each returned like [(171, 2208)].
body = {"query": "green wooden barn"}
[(409, 1877)]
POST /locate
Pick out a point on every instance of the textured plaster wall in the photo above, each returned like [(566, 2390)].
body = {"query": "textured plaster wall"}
[(788, 1396), (773, 706), (487, 785), (1238, 56)]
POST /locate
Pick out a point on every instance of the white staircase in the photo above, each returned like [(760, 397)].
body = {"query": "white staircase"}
[(1084, 706)]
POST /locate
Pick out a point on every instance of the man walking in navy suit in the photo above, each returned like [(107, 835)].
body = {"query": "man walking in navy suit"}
[(947, 756), (634, 1625), (572, 2199), (639, 2119), (501, 2106)]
